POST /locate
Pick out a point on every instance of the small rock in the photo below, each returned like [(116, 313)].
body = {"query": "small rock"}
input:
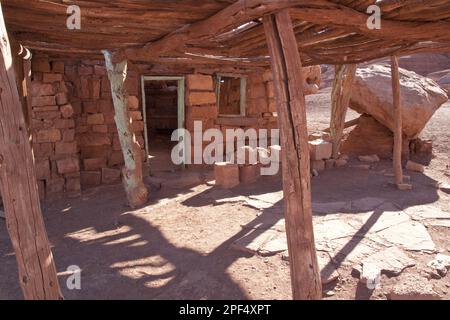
[(329, 293), (440, 264), (315, 173), (370, 275), (2, 214), (414, 166), (369, 159)]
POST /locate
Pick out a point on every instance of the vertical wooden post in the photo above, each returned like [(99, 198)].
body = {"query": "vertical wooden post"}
[(288, 83), (137, 192), (18, 185), (398, 132), (340, 98)]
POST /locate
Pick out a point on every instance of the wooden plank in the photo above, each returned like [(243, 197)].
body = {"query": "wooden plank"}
[(132, 176), (233, 16), (18, 185), (288, 83), (340, 98), (398, 132)]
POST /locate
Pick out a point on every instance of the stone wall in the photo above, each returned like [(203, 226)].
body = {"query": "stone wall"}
[(75, 139)]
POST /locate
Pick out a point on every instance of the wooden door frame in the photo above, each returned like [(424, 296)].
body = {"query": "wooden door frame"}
[(181, 104)]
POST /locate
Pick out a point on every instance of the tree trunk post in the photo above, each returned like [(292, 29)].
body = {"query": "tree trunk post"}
[(398, 131), (18, 185), (340, 99), (288, 83), (137, 192)]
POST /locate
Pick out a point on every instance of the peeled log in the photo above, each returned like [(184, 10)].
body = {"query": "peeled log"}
[(420, 96), (137, 192)]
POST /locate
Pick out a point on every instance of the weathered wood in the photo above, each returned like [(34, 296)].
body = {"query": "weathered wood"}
[(231, 17), (340, 98), (288, 84), (137, 192), (348, 124), (18, 185), (398, 132)]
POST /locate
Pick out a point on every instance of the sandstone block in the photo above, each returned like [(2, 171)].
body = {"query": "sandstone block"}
[(318, 165), (66, 111), (94, 164), (320, 149), (61, 98), (90, 178), (249, 173), (226, 174), (43, 101), (110, 176), (66, 147), (52, 77), (69, 165), (201, 98), (49, 135), (199, 82)]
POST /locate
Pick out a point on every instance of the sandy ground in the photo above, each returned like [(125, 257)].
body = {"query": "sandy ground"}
[(181, 245)]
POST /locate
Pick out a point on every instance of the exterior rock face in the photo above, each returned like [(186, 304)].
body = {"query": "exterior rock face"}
[(371, 137), (420, 97)]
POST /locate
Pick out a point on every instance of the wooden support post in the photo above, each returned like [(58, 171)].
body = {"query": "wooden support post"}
[(288, 83), (18, 186), (137, 192), (398, 132), (340, 98)]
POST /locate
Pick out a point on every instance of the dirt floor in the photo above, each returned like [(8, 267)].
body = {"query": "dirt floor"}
[(196, 241)]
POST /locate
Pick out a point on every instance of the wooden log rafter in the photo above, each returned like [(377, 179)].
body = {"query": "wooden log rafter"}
[(288, 84), (18, 186), (132, 175), (398, 127), (340, 99)]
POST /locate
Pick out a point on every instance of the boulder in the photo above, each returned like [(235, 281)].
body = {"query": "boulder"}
[(444, 83), (371, 137), (425, 63), (420, 96)]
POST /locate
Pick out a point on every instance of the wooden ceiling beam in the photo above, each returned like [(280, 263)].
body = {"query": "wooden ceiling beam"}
[(231, 17)]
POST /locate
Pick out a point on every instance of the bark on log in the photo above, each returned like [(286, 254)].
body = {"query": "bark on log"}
[(288, 83), (18, 185), (398, 133), (340, 98), (137, 192)]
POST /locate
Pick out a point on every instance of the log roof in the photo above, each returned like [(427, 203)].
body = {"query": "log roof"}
[(228, 32)]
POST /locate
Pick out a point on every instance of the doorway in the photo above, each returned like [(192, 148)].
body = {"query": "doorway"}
[(163, 112)]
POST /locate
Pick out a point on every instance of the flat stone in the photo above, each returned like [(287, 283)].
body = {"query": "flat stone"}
[(271, 197), (438, 223), (328, 269), (391, 261), (426, 212), (413, 287), (385, 220), (330, 207), (275, 245), (254, 240), (410, 235), (333, 229)]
